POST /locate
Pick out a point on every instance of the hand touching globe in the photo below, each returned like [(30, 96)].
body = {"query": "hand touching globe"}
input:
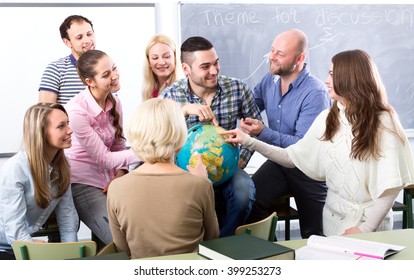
[(220, 158)]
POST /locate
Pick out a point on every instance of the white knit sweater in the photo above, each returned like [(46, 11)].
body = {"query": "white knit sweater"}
[(360, 193)]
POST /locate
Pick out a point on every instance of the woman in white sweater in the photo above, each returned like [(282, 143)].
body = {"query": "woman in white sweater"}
[(358, 147)]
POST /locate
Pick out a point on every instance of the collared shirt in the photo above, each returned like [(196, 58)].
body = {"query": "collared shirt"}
[(290, 116), (96, 154), (20, 216), (61, 78), (233, 100)]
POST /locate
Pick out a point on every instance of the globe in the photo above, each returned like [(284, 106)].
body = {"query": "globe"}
[(220, 158)]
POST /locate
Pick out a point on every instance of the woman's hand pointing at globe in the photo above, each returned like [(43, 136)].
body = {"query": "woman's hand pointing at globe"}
[(235, 136)]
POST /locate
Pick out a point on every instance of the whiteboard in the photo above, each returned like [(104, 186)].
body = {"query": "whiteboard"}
[(30, 39)]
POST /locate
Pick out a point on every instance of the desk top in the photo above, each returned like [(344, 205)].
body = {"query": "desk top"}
[(403, 237)]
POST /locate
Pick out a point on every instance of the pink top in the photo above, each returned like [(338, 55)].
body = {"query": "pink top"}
[(95, 155), (154, 93)]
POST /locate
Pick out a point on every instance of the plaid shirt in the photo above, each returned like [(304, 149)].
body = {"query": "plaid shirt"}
[(232, 101)]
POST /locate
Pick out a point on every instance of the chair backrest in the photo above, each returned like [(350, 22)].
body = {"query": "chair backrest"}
[(264, 229), (108, 249), (30, 250)]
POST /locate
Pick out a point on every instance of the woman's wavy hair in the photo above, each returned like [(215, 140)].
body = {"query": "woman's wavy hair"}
[(356, 78), (35, 127)]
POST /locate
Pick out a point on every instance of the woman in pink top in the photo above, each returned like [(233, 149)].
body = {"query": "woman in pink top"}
[(98, 153)]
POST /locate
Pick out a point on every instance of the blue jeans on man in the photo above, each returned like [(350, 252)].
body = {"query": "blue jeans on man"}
[(234, 201)]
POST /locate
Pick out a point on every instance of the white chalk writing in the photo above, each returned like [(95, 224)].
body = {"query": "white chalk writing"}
[(214, 17)]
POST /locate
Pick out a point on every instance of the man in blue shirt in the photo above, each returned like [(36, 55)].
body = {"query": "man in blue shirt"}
[(207, 96), (291, 98)]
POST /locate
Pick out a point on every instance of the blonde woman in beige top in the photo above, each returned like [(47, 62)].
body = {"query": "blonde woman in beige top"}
[(160, 209)]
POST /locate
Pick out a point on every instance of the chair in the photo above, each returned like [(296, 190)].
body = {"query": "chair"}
[(285, 212), (108, 249), (264, 229), (406, 207), (30, 250)]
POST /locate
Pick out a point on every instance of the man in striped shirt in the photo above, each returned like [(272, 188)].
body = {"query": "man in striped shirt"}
[(60, 81), (206, 96)]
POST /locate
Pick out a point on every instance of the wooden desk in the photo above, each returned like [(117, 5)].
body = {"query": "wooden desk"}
[(404, 237)]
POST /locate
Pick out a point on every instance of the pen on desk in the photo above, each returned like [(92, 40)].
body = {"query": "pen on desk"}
[(367, 255)]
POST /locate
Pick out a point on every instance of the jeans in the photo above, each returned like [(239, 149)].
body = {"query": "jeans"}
[(234, 201), (273, 181), (90, 202)]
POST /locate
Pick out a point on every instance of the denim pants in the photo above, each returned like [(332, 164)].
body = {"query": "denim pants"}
[(90, 202), (234, 201)]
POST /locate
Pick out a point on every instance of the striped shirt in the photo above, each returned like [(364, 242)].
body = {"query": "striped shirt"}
[(232, 101), (61, 78)]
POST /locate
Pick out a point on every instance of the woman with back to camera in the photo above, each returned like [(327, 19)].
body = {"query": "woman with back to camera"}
[(358, 147), (160, 66), (36, 181), (160, 209), (98, 154)]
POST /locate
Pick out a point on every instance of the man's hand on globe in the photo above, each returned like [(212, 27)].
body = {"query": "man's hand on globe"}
[(203, 112)]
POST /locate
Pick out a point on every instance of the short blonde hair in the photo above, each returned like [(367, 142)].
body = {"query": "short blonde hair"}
[(157, 130)]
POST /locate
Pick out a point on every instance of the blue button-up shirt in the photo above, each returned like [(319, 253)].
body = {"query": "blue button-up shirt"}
[(20, 216), (232, 101), (290, 116)]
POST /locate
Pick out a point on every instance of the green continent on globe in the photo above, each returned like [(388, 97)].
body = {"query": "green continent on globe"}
[(219, 157)]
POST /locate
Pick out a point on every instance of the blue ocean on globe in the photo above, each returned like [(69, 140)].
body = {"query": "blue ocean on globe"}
[(220, 157)]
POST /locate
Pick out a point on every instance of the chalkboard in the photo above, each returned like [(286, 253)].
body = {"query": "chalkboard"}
[(242, 35), (30, 40)]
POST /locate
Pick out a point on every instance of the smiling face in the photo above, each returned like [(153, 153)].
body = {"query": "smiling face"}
[(106, 79), (81, 38), (284, 56), (204, 70), (161, 60), (58, 132)]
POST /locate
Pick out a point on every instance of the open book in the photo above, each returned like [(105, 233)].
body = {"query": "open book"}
[(345, 248)]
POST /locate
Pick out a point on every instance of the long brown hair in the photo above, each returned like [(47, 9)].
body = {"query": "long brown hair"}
[(355, 77), (35, 144), (85, 67)]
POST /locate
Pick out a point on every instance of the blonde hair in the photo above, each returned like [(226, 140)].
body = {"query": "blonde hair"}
[(35, 144), (150, 79), (157, 130)]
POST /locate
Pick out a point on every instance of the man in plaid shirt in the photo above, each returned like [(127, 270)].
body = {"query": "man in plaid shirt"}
[(206, 96)]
